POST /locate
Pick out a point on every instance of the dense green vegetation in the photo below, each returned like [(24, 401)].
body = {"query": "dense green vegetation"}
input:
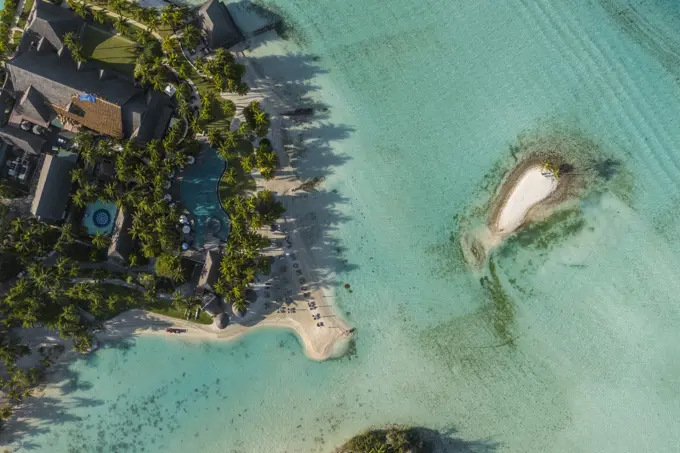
[(28, 6), (7, 15), (389, 440), (139, 186), (225, 73)]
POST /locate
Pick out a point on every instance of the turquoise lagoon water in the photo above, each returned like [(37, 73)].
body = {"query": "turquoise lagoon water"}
[(100, 217), (580, 351), (198, 193)]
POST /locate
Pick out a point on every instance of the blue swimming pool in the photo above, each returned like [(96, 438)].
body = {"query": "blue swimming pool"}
[(99, 217), (198, 194)]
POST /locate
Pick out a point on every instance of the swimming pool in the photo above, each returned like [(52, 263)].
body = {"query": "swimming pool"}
[(99, 217), (198, 194)]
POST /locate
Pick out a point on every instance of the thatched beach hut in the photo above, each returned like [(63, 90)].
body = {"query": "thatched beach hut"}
[(221, 320), (211, 304)]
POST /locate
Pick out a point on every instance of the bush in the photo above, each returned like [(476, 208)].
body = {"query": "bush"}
[(169, 265)]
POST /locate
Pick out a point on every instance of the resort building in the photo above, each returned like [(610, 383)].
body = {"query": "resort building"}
[(52, 88), (121, 240), (26, 141), (54, 186), (210, 272), (218, 25)]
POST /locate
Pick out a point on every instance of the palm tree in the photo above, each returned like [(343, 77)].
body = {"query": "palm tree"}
[(184, 70), (232, 139), (78, 175), (260, 118), (196, 126), (78, 199), (166, 45), (229, 108), (72, 43), (190, 36), (153, 22), (110, 191), (247, 163), (239, 304), (100, 241), (214, 137), (218, 82), (243, 129), (157, 81), (224, 151), (184, 110), (144, 37), (230, 175), (99, 15), (117, 5), (120, 25)]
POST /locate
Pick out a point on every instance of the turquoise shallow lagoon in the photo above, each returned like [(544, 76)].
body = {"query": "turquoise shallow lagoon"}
[(572, 347)]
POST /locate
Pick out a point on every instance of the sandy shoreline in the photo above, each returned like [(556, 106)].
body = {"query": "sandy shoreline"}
[(525, 194), (325, 344), (533, 187)]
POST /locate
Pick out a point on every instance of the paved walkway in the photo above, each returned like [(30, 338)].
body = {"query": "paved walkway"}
[(128, 19)]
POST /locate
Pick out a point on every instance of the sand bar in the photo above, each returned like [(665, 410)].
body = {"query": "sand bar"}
[(533, 187)]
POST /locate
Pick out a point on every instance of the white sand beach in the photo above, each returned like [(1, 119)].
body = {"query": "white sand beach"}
[(533, 187)]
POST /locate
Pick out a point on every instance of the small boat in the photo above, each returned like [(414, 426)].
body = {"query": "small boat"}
[(171, 330)]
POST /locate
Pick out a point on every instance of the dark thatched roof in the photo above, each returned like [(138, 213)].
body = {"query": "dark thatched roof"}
[(211, 305), (32, 108), (54, 186), (154, 123), (221, 320), (53, 22), (121, 241), (58, 79), (210, 271), (19, 138), (218, 25)]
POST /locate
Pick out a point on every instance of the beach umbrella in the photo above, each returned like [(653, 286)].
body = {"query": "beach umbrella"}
[(185, 246), (167, 185), (191, 160), (167, 197), (183, 219), (186, 229)]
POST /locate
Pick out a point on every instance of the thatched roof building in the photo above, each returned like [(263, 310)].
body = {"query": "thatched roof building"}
[(121, 240), (212, 305), (218, 25), (49, 84), (21, 139), (54, 187), (221, 320), (210, 272)]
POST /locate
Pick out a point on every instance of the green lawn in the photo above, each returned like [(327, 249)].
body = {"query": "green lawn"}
[(111, 51), (168, 309)]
